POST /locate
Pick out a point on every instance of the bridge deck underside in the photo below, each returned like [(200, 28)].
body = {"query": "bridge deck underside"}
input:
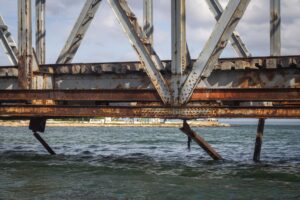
[(263, 87)]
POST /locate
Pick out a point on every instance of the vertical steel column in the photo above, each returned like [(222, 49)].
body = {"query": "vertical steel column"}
[(25, 44), (179, 60), (275, 28), (40, 31), (179, 47), (148, 27)]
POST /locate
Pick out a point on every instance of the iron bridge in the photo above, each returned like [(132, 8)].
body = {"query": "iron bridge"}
[(179, 88)]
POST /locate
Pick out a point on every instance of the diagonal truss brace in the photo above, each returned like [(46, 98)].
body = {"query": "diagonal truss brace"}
[(78, 32), (214, 46), (142, 46), (235, 39), (8, 43)]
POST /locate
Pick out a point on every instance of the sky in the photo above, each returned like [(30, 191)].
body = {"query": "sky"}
[(105, 40)]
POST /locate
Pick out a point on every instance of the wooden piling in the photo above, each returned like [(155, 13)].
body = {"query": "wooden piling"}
[(200, 141), (44, 143), (258, 141)]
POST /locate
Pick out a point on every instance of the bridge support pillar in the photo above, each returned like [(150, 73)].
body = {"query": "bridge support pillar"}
[(258, 141), (200, 141)]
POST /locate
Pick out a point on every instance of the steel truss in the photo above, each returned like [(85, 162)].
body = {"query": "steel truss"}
[(182, 88), (181, 82)]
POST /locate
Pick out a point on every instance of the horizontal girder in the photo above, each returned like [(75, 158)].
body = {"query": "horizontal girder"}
[(25, 111), (136, 66), (150, 95), (250, 78)]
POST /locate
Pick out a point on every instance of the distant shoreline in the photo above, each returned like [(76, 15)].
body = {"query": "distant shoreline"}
[(114, 124)]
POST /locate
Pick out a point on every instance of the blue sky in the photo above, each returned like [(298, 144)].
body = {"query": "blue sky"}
[(105, 40)]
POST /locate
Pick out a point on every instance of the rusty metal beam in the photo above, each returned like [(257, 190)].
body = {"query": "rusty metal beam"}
[(142, 46), (200, 141), (88, 77), (29, 111), (250, 94), (257, 72), (281, 62), (147, 95)]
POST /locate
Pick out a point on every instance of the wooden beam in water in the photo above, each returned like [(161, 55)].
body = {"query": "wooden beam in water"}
[(44, 143), (200, 141)]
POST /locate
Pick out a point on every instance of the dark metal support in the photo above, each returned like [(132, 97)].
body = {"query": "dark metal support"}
[(200, 141), (259, 138), (189, 143), (44, 143), (37, 124)]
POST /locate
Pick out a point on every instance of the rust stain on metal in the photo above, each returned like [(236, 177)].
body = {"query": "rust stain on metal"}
[(22, 75), (142, 95), (150, 112)]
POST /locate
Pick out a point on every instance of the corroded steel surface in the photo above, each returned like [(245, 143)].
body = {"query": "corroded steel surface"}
[(143, 95), (136, 66), (287, 77), (148, 112)]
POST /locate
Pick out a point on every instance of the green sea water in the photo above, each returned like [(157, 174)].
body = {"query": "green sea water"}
[(149, 163)]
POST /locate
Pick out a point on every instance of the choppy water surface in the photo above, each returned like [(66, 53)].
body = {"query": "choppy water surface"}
[(148, 163)]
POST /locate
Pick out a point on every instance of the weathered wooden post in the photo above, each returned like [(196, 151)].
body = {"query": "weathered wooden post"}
[(200, 141)]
